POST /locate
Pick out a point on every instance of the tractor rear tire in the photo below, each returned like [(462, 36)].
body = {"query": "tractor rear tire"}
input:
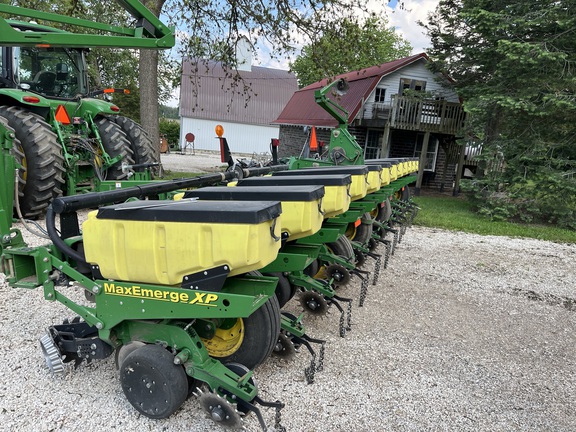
[(37, 150), (115, 143), (260, 334), (141, 145)]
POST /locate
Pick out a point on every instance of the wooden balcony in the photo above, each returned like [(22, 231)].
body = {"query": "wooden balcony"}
[(410, 113)]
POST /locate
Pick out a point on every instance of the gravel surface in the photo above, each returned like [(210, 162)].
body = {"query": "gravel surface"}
[(461, 333)]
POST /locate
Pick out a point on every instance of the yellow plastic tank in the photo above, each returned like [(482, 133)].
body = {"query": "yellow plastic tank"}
[(302, 213), (336, 188), (161, 242), (359, 174)]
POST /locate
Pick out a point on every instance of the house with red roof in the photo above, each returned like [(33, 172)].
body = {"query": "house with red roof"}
[(396, 109)]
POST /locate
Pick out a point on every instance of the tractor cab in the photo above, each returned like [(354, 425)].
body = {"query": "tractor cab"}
[(52, 72)]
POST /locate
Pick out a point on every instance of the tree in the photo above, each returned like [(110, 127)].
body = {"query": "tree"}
[(334, 52), (513, 64)]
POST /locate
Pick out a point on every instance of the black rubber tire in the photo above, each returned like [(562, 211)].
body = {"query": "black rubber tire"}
[(284, 291), (384, 212), (313, 269), (140, 143), (261, 330), (115, 143), (152, 383), (403, 194), (363, 232), (343, 248), (37, 149), (125, 350)]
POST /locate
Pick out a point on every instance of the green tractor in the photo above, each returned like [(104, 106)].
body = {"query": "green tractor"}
[(69, 140)]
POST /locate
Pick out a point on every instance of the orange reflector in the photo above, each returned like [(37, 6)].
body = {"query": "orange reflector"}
[(43, 46), (31, 99), (109, 90), (62, 116), (219, 131), (126, 91), (357, 223), (115, 108), (313, 140)]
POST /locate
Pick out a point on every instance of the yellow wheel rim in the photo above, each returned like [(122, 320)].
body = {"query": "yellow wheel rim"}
[(225, 341), (350, 231)]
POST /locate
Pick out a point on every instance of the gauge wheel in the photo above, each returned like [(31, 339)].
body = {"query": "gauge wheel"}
[(248, 341), (284, 290), (152, 383), (39, 154), (362, 232), (343, 248)]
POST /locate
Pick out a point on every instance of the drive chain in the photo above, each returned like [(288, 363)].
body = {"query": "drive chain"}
[(277, 419), (363, 292), (377, 269)]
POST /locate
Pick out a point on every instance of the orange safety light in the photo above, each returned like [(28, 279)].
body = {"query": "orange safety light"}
[(62, 116), (313, 140), (219, 131), (31, 99)]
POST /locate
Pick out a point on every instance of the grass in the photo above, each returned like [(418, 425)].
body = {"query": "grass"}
[(456, 214)]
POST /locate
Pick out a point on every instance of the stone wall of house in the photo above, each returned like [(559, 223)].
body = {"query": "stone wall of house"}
[(293, 139)]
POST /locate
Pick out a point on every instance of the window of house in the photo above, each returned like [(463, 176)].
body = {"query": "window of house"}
[(373, 144), (431, 154), (379, 95), (411, 84)]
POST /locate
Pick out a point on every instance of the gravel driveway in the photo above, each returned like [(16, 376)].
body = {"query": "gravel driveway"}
[(462, 333)]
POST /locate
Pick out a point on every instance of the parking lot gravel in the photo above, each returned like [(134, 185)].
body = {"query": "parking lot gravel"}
[(461, 333)]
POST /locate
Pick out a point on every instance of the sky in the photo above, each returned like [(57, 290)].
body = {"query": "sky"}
[(404, 20)]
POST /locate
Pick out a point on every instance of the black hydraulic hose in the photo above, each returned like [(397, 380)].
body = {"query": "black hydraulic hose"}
[(94, 199), (58, 242)]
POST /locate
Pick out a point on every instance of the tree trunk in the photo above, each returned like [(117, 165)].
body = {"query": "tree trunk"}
[(148, 75)]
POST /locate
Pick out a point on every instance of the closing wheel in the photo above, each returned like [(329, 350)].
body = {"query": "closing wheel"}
[(248, 341), (284, 347), (219, 409), (339, 274), (314, 302), (37, 150), (152, 383), (115, 143)]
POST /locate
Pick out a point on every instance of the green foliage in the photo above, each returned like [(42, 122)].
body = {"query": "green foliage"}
[(349, 45), (169, 112), (458, 214), (171, 130), (513, 63)]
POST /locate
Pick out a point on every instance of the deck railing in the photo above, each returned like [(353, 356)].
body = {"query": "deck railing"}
[(411, 113)]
